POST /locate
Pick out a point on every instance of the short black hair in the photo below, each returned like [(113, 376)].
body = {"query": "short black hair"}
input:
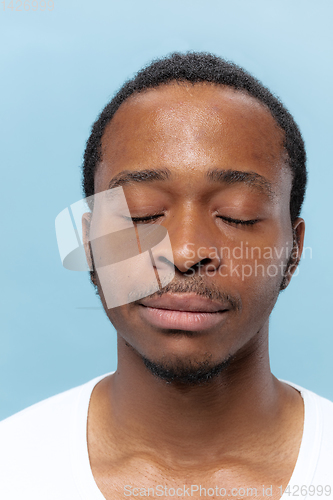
[(198, 67)]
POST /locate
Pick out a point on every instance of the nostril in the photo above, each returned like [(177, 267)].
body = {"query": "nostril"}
[(202, 263)]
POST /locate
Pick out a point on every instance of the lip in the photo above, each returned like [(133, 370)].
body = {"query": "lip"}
[(189, 302), (182, 312)]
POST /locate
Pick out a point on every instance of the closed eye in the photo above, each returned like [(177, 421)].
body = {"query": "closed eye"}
[(238, 222), (148, 218)]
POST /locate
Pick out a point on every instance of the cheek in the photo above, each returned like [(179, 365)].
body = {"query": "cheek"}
[(123, 319), (118, 316), (120, 321), (258, 294), (259, 300), (255, 270)]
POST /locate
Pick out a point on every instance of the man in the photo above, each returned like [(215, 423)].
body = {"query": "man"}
[(202, 149)]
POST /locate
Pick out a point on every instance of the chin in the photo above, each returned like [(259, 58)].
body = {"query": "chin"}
[(187, 372)]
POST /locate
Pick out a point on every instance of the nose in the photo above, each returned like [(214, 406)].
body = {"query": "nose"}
[(194, 242)]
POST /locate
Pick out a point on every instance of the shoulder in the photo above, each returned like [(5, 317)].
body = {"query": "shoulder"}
[(318, 409), (317, 437), (42, 415), (52, 414), (323, 440), (35, 443), (311, 399)]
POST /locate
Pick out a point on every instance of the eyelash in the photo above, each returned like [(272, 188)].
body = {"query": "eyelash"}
[(236, 222), (146, 219)]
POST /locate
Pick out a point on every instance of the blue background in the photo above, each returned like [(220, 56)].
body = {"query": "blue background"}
[(59, 69)]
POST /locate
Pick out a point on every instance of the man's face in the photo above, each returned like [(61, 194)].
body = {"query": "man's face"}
[(231, 233)]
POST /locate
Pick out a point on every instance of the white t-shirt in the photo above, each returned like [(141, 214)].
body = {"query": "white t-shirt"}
[(44, 453)]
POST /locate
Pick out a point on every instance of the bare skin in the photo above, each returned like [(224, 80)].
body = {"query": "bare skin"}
[(244, 427)]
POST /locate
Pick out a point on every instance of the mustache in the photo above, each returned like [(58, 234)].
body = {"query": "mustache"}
[(197, 285)]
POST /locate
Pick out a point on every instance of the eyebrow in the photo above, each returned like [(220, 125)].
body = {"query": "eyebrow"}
[(134, 176), (252, 179)]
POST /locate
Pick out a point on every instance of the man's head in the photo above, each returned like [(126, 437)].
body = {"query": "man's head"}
[(202, 148)]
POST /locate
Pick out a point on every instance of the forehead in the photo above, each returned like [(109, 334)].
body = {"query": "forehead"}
[(191, 129)]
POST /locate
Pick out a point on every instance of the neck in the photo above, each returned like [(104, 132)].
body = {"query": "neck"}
[(189, 425)]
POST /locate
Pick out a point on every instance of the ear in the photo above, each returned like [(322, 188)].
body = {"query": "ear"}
[(295, 257), (299, 231), (86, 221)]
